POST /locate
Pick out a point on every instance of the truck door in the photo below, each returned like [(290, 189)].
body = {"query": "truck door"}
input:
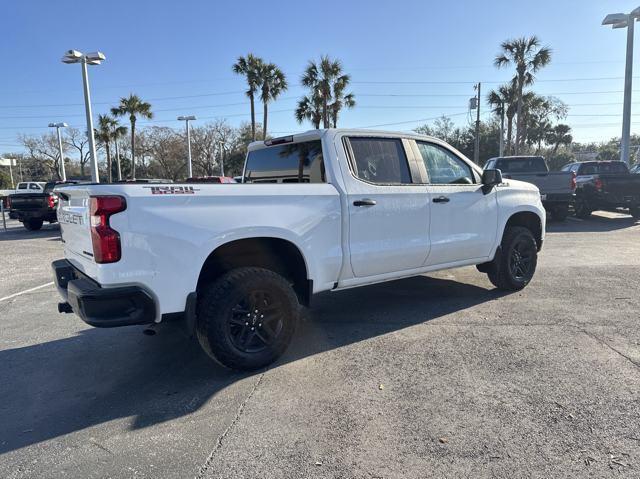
[(464, 219), (388, 211)]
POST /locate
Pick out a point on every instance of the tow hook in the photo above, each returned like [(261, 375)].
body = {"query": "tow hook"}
[(64, 308)]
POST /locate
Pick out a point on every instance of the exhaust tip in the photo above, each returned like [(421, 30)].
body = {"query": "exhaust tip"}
[(149, 331)]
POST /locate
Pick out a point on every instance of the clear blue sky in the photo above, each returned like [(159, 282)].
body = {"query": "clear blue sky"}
[(160, 49)]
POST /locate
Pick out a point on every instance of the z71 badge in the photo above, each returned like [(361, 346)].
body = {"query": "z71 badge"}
[(172, 190)]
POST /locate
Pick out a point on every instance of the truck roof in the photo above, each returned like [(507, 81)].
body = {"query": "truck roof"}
[(319, 133)]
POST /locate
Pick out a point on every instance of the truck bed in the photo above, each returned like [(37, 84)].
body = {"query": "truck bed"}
[(549, 183)]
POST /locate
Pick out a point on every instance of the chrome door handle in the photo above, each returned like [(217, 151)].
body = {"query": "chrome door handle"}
[(441, 199), (364, 202)]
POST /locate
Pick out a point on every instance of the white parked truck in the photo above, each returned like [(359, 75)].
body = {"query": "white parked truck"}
[(319, 211)]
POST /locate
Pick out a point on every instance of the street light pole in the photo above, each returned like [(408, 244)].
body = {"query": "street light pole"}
[(96, 58), (187, 119), (87, 106), (622, 20), (626, 109), (61, 170)]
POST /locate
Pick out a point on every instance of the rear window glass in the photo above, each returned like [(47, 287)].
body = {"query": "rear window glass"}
[(612, 168), (380, 160), (289, 163), (521, 165), (22, 186)]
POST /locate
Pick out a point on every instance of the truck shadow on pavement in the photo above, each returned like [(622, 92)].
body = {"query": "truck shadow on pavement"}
[(63, 386), (595, 223), (20, 233)]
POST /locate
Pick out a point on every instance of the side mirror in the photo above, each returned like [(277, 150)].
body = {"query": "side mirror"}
[(491, 177)]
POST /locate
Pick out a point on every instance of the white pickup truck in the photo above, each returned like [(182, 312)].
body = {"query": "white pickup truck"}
[(323, 210)]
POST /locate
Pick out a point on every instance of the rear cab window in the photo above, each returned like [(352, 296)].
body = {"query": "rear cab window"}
[(534, 164), (300, 162), (22, 186), (379, 160)]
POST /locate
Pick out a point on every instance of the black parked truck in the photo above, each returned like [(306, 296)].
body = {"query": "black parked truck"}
[(605, 185), (33, 209), (556, 187)]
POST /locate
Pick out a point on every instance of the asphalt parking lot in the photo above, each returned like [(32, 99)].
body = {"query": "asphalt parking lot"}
[(434, 376)]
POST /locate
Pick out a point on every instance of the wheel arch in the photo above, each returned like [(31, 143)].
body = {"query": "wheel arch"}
[(530, 220), (274, 253)]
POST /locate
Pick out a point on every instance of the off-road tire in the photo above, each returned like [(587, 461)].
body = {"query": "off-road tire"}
[(582, 209), (217, 326), (502, 273), (559, 213), (32, 224)]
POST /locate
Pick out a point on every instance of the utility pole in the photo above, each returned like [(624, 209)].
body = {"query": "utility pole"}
[(222, 151), (187, 119), (476, 149), (501, 128)]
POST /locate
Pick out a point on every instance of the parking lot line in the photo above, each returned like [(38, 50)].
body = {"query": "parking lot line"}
[(26, 291)]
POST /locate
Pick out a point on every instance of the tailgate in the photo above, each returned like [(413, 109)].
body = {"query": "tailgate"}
[(622, 187), (29, 202), (73, 216), (556, 182)]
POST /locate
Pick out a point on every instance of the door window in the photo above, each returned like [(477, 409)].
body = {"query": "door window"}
[(443, 167), (380, 160)]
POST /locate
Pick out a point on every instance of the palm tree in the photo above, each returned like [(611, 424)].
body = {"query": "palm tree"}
[(504, 98), (527, 56), (340, 100), (250, 67), (310, 108), (103, 135), (321, 78), (118, 131), (272, 83), (134, 107), (559, 135)]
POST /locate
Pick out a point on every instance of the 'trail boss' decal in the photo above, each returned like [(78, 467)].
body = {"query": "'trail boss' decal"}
[(172, 190)]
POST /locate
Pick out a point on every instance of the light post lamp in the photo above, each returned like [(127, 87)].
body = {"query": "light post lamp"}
[(187, 119), (95, 58), (57, 126), (622, 20)]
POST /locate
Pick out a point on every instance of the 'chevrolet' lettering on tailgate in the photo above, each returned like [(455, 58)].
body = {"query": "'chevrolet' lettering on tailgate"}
[(172, 190), (70, 218)]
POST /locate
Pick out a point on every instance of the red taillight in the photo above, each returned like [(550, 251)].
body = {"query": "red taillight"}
[(106, 240), (53, 201), (573, 182), (598, 184)]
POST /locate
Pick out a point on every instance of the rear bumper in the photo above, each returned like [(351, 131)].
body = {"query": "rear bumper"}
[(45, 215), (102, 307), (557, 199)]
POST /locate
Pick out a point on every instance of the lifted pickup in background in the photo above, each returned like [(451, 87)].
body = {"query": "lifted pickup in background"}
[(556, 187), (236, 262), (33, 209), (605, 185)]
